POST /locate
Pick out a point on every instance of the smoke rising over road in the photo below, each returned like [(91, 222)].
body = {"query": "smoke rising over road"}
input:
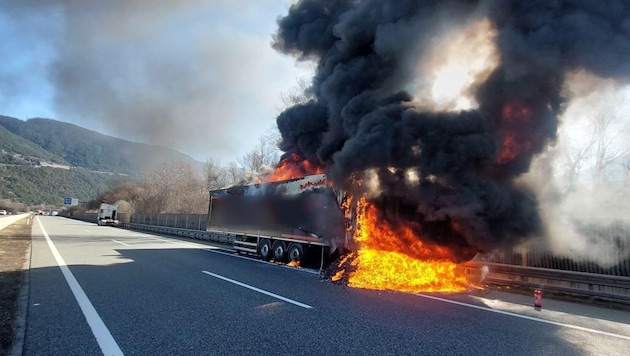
[(196, 76), (450, 174)]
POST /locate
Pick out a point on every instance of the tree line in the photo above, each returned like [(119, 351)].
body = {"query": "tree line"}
[(176, 188)]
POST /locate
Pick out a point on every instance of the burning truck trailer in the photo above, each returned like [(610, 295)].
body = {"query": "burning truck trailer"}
[(308, 219), (297, 220)]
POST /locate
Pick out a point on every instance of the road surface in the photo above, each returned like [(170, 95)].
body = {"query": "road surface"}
[(104, 290)]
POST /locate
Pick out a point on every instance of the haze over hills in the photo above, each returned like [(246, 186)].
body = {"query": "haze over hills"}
[(88, 149), (44, 160), (15, 149)]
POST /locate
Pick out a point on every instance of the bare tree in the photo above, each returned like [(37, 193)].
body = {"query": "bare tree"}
[(234, 174), (11, 205), (189, 195), (214, 175), (300, 93), (265, 153), (599, 152), (625, 165), (575, 160), (156, 191), (273, 137), (130, 192), (609, 145), (174, 188)]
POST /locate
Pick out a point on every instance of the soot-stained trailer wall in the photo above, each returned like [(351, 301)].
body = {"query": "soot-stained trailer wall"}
[(288, 208)]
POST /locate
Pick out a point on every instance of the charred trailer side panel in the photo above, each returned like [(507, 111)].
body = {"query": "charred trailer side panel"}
[(279, 220)]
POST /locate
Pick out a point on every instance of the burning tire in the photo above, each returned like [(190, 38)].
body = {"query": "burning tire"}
[(264, 249), (279, 251), (296, 252)]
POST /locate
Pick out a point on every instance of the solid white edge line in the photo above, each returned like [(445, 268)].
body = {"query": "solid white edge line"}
[(526, 317), (120, 242), (306, 306), (104, 338)]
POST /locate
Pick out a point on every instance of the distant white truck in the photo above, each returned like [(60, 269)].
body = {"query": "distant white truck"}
[(107, 215)]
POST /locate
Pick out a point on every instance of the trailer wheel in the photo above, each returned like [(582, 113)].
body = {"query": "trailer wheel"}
[(296, 252), (264, 249), (279, 251)]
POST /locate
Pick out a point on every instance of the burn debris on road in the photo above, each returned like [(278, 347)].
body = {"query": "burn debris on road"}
[(339, 269)]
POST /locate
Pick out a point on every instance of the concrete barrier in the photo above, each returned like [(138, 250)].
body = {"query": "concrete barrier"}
[(11, 219)]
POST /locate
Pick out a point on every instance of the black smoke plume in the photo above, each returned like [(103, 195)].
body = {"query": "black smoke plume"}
[(363, 119)]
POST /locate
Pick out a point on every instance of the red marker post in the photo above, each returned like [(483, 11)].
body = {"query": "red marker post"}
[(538, 298)]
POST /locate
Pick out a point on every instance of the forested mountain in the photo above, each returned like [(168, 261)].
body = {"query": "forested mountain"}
[(43, 161), (33, 185), (18, 150), (91, 150)]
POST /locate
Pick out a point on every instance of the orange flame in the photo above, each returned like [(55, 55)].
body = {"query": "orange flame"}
[(294, 263), (509, 150), (384, 260), (515, 142), (292, 167)]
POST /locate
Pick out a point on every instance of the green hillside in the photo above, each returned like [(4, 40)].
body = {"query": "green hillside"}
[(43, 161), (35, 185), (91, 150), (17, 150)]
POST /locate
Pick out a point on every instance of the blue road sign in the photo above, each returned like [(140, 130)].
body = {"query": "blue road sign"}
[(67, 201)]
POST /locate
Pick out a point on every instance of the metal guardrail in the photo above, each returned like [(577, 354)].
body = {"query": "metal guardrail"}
[(190, 233), (615, 235), (182, 221), (579, 284)]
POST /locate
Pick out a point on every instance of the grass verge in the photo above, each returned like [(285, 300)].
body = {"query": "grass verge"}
[(15, 242)]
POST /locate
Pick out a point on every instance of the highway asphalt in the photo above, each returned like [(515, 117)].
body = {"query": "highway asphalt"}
[(127, 292)]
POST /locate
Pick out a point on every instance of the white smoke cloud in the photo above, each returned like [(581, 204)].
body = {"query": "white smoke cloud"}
[(581, 181)]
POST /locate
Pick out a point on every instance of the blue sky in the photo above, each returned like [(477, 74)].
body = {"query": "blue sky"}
[(197, 76)]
